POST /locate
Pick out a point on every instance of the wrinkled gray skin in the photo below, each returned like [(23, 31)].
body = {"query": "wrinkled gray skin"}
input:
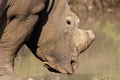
[(59, 42)]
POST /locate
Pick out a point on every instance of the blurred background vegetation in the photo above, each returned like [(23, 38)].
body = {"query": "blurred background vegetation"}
[(101, 61)]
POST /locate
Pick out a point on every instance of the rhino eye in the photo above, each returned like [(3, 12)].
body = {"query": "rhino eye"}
[(69, 24), (69, 21)]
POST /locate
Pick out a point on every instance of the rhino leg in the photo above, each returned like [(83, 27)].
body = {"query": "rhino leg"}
[(11, 40), (16, 25)]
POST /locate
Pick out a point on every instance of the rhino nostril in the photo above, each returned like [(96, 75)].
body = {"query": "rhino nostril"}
[(74, 65), (72, 62)]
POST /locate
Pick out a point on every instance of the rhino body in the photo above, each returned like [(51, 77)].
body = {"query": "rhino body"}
[(48, 27)]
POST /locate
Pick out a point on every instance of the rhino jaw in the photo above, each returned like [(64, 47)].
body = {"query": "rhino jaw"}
[(65, 66)]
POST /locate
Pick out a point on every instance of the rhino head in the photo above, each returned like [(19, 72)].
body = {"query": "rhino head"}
[(61, 41)]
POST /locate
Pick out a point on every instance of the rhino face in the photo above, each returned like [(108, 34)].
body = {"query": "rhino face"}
[(61, 41)]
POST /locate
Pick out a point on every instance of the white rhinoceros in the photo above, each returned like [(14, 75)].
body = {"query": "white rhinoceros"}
[(48, 27)]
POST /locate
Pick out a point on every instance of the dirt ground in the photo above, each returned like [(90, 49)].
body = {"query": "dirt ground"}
[(101, 61)]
